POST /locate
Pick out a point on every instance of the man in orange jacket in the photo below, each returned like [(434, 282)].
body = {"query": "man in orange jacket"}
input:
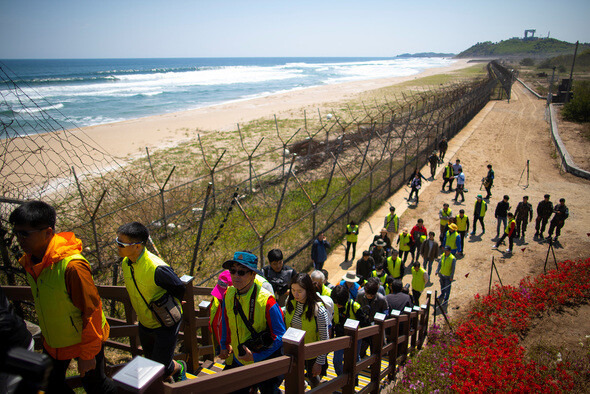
[(66, 300)]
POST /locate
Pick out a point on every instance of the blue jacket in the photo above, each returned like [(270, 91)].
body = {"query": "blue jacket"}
[(319, 250)]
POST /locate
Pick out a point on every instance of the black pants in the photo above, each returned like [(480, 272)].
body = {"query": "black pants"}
[(488, 190), (459, 191), (463, 234), (348, 244), (449, 181), (510, 240), (521, 226), (416, 296), (475, 220), (557, 226), (403, 255), (414, 190), (540, 223), (94, 381), (159, 344)]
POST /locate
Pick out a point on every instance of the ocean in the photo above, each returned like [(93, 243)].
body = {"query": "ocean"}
[(69, 93)]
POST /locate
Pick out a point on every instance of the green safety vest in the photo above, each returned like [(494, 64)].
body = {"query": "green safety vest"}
[(382, 278), (451, 240), (139, 277), (446, 264), (418, 282), (309, 326), (394, 268), (447, 213), (404, 242), (326, 291), (60, 321), (461, 223), (484, 208), (395, 222), (351, 308), (507, 229), (237, 328), (352, 237)]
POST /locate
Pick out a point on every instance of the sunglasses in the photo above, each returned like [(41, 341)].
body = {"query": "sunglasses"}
[(238, 272), (125, 244), (26, 233)]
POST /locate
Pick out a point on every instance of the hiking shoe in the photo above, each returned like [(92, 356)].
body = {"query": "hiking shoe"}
[(180, 375), (508, 251), (472, 233), (495, 246)]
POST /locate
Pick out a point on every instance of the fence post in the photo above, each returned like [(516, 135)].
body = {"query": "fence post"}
[(190, 326), (415, 320), (351, 328), (130, 318), (294, 347), (206, 337), (393, 338), (376, 346), (424, 320), (200, 231)]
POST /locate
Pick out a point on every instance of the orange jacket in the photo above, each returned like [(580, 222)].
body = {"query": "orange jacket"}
[(82, 291)]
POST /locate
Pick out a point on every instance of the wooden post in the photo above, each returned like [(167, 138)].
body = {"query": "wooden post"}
[(190, 327), (206, 338), (131, 318), (294, 347), (424, 320), (415, 319), (376, 345), (350, 355)]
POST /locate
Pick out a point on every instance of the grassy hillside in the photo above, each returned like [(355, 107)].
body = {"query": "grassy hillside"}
[(519, 47)]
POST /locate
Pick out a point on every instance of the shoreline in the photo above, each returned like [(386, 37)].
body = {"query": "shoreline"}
[(126, 139)]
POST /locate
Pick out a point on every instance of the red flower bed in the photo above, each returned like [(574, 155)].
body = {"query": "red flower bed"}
[(488, 357)]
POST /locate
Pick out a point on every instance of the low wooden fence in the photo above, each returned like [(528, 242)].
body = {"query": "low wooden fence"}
[(391, 337)]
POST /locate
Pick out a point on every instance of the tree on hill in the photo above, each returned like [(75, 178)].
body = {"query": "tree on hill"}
[(519, 47)]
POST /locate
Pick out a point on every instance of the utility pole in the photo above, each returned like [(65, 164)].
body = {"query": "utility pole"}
[(570, 83)]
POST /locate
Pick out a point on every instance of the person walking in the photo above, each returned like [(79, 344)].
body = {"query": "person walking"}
[(561, 214), (149, 280), (364, 266), (445, 214), (510, 232), (319, 251), (419, 235), (415, 184), (452, 239), (446, 273), (462, 222), (429, 251), (352, 236), (278, 275), (479, 211), (404, 241), (419, 280), (433, 161), (306, 311), (448, 177), (215, 312), (249, 310), (381, 236), (544, 211), (442, 148), (391, 223), (488, 182), (394, 265), (460, 177), (501, 214), (524, 214), (66, 300)]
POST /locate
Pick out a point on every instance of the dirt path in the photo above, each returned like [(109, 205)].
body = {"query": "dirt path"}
[(505, 135)]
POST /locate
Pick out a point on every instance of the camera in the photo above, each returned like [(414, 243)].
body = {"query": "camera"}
[(256, 343)]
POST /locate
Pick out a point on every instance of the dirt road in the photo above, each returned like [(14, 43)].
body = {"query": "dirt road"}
[(505, 135)]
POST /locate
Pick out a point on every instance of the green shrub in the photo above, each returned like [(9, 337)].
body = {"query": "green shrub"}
[(578, 110), (527, 62)]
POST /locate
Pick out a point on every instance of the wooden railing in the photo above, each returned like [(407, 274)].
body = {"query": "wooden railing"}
[(392, 337)]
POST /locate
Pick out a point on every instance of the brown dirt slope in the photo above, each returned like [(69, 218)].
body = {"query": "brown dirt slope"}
[(505, 135)]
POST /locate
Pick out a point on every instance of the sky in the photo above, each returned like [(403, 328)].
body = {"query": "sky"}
[(45, 29)]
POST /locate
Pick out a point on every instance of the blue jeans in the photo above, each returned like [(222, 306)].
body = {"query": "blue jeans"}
[(338, 359), (501, 220), (445, 288)]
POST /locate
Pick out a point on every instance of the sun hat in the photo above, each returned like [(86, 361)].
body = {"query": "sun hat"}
[(380, 242), (350, 276), (246, 259), (453, 226), (383, 229), (223, 283)]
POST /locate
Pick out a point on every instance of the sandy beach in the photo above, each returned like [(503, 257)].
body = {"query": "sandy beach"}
[(130, 137)]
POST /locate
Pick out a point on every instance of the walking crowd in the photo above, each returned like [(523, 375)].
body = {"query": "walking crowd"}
[(251, 309)]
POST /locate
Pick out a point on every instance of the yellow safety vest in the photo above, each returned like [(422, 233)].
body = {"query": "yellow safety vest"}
[(352, 237), (404, 242), (237, 328), (326, 291), (139, 278), (418, 282), (447, 213), (382, 278), (451, 240), (507, 229), (484, 208), (394, 268), (351, 306), (461, 223), (309, 326), (446, 264), (60, 321)]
